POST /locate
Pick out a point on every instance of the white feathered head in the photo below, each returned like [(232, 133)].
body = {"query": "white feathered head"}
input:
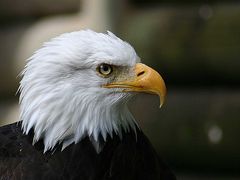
[(78, 85)]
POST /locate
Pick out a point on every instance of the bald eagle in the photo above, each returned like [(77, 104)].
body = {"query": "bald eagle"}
[(74, 119)]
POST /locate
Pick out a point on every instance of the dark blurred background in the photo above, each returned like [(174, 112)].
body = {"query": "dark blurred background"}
[(195, 45)]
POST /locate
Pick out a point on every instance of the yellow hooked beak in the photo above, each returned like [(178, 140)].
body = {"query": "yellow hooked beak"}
[(145, 80)]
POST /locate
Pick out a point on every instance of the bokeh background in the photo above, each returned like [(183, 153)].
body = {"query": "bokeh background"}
[(195, 45)]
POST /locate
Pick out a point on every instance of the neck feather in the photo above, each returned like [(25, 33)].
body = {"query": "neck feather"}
[(70, 118)]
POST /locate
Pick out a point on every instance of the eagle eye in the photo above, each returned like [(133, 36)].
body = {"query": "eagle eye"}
[(105, 69)]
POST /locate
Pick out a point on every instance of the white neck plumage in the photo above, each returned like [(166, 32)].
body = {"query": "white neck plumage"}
[(69, 118)]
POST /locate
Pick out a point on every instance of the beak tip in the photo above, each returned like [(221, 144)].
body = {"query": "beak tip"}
[(161, 104), (162, 100)]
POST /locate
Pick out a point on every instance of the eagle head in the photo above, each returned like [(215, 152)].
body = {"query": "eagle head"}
[(78, 85)]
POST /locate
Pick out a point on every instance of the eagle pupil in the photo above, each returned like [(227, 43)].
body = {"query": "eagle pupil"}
[(105, 68)]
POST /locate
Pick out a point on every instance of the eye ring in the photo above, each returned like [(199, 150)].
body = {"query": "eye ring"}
[(105, 69)]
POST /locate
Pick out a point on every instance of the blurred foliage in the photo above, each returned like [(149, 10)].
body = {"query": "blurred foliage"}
[(197, 130), (145, 3), (17, 9), (197, 45)]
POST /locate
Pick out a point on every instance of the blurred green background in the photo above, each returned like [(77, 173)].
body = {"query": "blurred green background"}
[(195, 45)]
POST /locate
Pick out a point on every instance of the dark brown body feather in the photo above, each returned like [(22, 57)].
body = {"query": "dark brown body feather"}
[(125, 159)]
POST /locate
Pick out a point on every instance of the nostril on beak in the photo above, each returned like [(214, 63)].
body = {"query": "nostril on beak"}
[(140, 73)]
